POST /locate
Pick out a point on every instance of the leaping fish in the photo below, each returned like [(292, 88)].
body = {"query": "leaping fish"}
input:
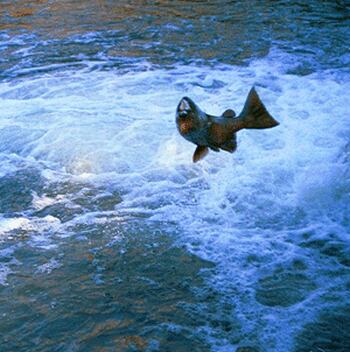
[(219, 132)]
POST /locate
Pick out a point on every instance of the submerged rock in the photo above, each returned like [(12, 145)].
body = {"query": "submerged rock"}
[(283, 289), (247, 349), (330, 332)]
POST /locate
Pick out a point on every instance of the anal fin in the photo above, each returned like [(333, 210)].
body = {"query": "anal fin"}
[(200, 152), (231, 145)]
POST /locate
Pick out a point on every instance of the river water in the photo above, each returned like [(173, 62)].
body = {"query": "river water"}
[(111, 239)]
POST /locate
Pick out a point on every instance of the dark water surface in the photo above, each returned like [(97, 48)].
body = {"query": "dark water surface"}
[(111, 239), (112, 34)]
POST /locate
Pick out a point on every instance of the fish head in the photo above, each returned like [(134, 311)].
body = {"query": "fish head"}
[(187, 115)]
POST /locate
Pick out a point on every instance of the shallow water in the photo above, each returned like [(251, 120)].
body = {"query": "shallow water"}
[(111, 239)]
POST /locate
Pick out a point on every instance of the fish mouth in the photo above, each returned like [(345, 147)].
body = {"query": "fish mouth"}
[(185, 107)]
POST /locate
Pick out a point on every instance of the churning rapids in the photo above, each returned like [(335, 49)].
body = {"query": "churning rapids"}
[(111, 239)]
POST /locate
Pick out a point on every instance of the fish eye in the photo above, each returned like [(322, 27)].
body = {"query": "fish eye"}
[(183, 113)]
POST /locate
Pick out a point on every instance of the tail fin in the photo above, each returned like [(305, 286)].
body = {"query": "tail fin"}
[(254, 113)]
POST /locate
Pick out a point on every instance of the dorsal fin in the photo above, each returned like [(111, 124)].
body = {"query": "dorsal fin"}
[(229, 113), (200, 152)]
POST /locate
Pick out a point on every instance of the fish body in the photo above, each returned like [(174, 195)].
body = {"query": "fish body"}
[(219, 132)]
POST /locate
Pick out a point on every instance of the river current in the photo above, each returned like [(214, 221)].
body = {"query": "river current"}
[(111, 239)]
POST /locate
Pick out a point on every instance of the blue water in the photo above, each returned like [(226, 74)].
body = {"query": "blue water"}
[(111, 239)]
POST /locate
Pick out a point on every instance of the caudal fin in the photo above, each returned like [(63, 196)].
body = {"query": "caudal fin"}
[(254, 113)]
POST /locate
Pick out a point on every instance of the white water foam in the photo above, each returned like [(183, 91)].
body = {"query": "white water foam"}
[(249, 212)]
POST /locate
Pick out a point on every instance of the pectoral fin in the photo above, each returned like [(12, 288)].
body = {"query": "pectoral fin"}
[(200, 153)]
